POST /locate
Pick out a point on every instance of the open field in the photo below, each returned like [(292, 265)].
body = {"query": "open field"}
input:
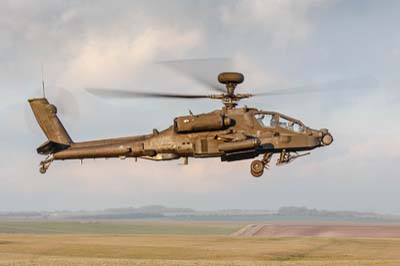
[(177, 248), (59, 249), (118, 227)]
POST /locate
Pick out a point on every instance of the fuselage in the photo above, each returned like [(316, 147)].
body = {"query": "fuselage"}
[(232, 134)]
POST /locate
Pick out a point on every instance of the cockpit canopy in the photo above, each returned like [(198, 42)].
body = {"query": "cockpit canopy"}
[(273, 120)]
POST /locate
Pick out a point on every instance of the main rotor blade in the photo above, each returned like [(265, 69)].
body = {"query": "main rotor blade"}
[(204, 71), (64, 100), (361, 83), (108, 93), (67, 104)]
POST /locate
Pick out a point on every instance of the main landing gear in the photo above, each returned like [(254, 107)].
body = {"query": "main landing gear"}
[(287, 157), (257, 166)]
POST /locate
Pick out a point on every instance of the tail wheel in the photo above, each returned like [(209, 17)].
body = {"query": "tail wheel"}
[(44, 165), (42, 170), (257, 168)]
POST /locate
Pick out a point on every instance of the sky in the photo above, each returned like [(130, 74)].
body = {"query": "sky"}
[(277, 44)]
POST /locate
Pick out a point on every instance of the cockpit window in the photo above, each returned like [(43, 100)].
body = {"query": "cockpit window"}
[(266, 120), (298, 128), (291, 125), (271, 119)]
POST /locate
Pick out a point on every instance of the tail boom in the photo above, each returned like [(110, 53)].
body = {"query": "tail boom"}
[(104, 151)]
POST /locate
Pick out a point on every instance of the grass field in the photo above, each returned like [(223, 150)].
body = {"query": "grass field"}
[(179, 243), (118, 227)]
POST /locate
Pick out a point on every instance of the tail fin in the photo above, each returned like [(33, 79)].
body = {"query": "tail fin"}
[(46, 116)]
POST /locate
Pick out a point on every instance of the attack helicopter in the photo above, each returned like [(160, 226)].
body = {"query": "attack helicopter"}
[(231, 133)]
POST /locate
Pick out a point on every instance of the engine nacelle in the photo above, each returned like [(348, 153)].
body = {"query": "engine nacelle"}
[(197, 123)]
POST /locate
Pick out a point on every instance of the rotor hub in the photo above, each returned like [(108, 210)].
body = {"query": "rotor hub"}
[(231, 80)]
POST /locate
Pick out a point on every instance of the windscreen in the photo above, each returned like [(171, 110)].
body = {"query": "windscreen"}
[(291, 124), (266, 120)]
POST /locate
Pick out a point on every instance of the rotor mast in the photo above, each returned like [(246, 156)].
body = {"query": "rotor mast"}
[(230, 99)]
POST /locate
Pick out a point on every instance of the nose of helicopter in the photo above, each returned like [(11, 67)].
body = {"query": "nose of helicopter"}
[(325, 137), (322, 137)]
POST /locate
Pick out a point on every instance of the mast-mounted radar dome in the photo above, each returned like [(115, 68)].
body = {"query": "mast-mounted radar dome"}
[(230, 78)]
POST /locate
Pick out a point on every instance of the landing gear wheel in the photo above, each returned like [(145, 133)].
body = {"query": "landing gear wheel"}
[(257, 168), (42, 170), (44, 165)]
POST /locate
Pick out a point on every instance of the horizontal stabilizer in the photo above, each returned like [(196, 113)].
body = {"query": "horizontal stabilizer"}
[(50, 147)]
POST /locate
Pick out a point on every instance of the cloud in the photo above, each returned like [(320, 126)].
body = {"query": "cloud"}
[(257, 76), (78, 43), (281, 20), (103, 60)]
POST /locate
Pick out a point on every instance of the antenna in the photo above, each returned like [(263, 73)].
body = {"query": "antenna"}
[(43, 90)]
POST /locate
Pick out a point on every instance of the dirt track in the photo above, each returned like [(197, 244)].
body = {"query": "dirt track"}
[(319, 230)]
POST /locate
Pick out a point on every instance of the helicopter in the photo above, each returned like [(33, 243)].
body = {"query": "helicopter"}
[(231, 133)]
